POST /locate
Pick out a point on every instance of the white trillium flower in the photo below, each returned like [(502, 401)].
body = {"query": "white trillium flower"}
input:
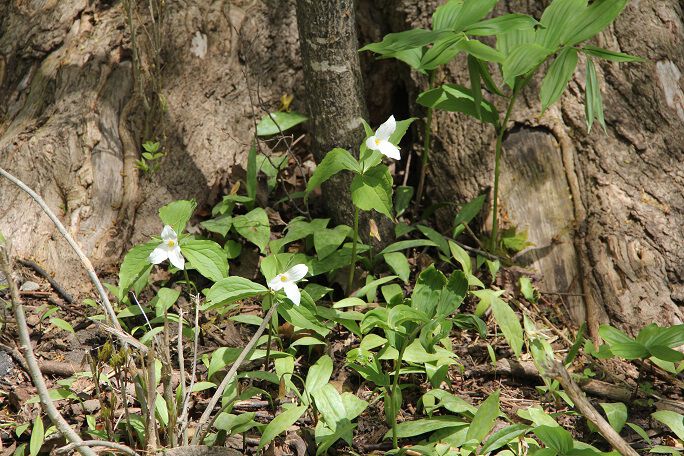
[(168, 249), (380, 140), (288, 281)]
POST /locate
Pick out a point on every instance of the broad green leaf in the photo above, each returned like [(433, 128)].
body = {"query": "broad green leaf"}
[(329, 403), (402, 199), (639, 430), (327, 241), (452, 294), (503, 436), (408, 244), (630, 350), (135, 264), (462, 257), (398, 262), (613, 335), (556, 21), (446, 15), (556, 79), (597, 16), (177, 214), (522, 60), (501, 24), (475, 83), (207, 257), (231, 289), (165, 298), (319, 374), (201, 386), (453, 98), (555, 437), (220, 224), (277, 122), (425, 425), (436, 399), (235, 424), (527, 289), (484, 418), (506, 318), (483, 52), (616, 413), (443, 51), (280, 424), (353, 405), (470, 210), (666, 353), (334, 161), (607, 54), (373, 190), (593, 103), (409, 39), (349, 302), (307, 341), (254, 226), (425, 297), (37, 436), (507, 42), (411, 57), (672, 336), (63, 325), (435, 237), (471, 12)]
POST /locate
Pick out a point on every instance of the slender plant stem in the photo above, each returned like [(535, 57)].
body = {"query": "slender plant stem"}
[(497, 164), (427, 144), (352, 265), (395, 383)]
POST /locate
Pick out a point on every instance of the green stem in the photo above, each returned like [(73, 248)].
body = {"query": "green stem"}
[(425, 157), (497, 163), (395, 383), (352, 265), (189, 283)]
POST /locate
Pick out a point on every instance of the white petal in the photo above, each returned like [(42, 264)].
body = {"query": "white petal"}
[(297, 272), (276, 283), (370, 143), (390, 150), (292, 292), (158, 255), (385, 130), (168, 234), (176, 258)]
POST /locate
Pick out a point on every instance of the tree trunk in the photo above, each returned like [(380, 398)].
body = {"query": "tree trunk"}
[(604, 210)]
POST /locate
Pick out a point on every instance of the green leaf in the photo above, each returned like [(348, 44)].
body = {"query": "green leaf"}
[(508, 321), (484, 418), (555, 21), (527, 289), (593, 19), (470, 210), (252, 175), (254, 226), (373, 190), (177, 214), (641, 432), (280, 424), (165, 298), (334, 161), (555, 437), (201, 386), (672, 336), (616, 414), (37, 436), (423, 426), (329, 403), (613, 335), (402, 41), (454, 98), (461, 256), (446, 15), (613, 56), (425, 297), (522, 60), (471, 12), (398, 262), (475, 83), (501, 24), (231, 289), (556, 79), (327, 241), (220, 224), (402, 200), (207, 257), (453, 294), (593, 104), (483, 52), (135, 264), (276, 122), (503, 436), (442, 52), (63, 325), (435, 237), (319, 374), (235, 424), (408, 244)]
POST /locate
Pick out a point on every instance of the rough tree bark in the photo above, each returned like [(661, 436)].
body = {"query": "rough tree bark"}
[(603, 209)]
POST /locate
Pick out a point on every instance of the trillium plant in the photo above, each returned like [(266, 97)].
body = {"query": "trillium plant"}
[(168, 249), (287, 282), (523, 46), (371, 187)]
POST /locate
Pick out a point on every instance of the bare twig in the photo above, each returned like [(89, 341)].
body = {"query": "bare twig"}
[(81, 256), (206, 421), (151, 428), (32, 362), (558, 371), (99, 443), (181, 360), (42, 272), (183, 420)]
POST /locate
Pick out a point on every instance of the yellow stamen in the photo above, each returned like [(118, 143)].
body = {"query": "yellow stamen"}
[(377, 142), (170, 242), (283, 278)]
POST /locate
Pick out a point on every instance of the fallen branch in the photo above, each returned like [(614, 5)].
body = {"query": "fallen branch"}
[(32, 362), (99, 443), (206, 420), (84, 259), (43, 273), (558, 371)]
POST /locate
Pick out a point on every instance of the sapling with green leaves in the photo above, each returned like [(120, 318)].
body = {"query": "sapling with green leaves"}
[(371, 187), (523, 46)]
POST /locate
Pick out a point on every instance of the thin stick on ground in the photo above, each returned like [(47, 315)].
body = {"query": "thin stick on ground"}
[(81, 256), (206, 419), (185, 409), (32, 362), (558, 371), (98, 443)]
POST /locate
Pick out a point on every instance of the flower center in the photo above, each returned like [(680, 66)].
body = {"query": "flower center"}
[(171, 243), (377, 142), (283, 278)]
